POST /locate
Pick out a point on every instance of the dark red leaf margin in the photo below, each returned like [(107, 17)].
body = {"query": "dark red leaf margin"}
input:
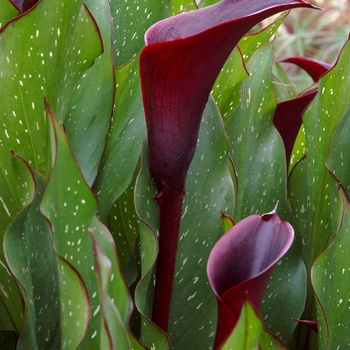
[(241, 263), (178, 67)]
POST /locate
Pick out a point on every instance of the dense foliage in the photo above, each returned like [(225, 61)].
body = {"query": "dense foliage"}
[(124, 160)]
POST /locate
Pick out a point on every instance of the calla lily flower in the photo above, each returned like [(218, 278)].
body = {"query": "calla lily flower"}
[(241, 263), (288, 118), (288, 114), (24, 5), (178, 67)]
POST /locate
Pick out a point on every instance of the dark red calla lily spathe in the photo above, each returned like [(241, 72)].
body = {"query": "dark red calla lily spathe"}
[(241, 263), (288, 118), (313, 67), (178, 67), (24, 5)]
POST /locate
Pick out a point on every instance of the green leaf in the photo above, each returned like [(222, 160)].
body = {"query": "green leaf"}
[(17, 191), (8, 11), (209, 189), (330, 279), (250, 43), (45, 62), (124, 141), (256, 147), (70, 208), (314, 191), (246, 334), (269, 341), (258, 155), (30, 255), (124, 225), (36, 61), (227, 88), (338, 161), (282, 85), (130, 20), (91, 103)]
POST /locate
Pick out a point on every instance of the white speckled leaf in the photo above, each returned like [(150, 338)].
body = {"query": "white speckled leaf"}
[(314, 192), (11, 310), (316, 205), (124, 141), (131, 18), (91, 103), (70, 207), (30, 255), (37, 60), (227, 88), (338, 161), (331, 279), (258, 155)]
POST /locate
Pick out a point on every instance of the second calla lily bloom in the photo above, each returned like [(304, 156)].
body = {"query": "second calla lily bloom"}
[(179, 65)]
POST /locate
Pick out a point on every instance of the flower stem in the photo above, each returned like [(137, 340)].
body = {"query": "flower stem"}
[(170, 205)]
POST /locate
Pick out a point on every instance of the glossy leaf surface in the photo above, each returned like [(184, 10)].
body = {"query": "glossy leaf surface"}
[(75, 240), (32, 260), (333, 298), (259, 159)]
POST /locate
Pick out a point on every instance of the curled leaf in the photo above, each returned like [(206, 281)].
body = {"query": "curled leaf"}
[(241, 263)]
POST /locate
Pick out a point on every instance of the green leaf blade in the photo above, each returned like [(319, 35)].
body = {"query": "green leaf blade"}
[(30, 255), (330, 279)]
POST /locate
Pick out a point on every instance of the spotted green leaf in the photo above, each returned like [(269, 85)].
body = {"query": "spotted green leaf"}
[(130, 21), (32, 260), (37, 61), (252, 42), (338, 161), (258, 155), (124, 141), (330, 279), (314, 191), (70, 207), (91, 103), (315, 198)]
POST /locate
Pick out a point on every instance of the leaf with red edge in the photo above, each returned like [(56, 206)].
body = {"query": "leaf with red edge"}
[(313, 325), (313, 67), (240, 265), (288, 121), (8, 11)]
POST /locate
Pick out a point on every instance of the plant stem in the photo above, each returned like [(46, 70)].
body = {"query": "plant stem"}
[(170, 205)]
